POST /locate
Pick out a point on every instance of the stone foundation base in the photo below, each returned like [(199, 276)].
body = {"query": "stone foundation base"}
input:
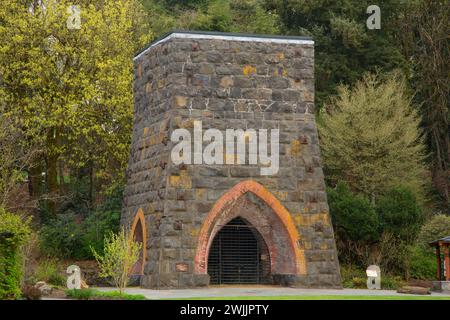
[(168, 281), (202, 280), (134, 280), (296, 281), (441, 286)]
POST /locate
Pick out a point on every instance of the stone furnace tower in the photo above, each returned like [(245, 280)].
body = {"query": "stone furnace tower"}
[(203, 223)]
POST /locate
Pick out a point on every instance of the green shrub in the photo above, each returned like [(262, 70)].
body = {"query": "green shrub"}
[(356, 278), (62, 237), (96, 227), (121, 252), (92, 294), (14, 233), (72, 235), (389, 282), (48, 271), (353, 277), (422, 263), (400, 214), (81, 294), (353, 216), (436, 228)]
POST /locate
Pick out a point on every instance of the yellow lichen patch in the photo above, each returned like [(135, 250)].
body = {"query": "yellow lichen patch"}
[(307, 245), (146, 129), (281, 195), (148, 87), (308, 96), (280, 55), (200, 193), (187, 124), (280, 72), (163, 125), (298, 219), (177, 121), (295, 147), (151, 209), (310, 219), (183, 181), (153, 140), (194, 232), (180, 101), (226, 82), (249, 70)]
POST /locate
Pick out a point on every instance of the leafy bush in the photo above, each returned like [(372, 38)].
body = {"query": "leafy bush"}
[(389, 282), (437, 227), (391, 254), (72, 235), (353, 216), (371, 138), (62, 237), (120, 254), (422, 263), (96, 227), (356, 278), (48, 271), (400, 214), (353, 277), (14, 233)]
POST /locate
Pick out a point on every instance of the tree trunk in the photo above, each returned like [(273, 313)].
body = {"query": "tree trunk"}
[(52, 171)]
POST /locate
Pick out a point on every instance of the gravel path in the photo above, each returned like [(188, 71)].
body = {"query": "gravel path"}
[(232, 291)]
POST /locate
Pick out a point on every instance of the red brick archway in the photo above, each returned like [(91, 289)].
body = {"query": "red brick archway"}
[(288, 230), (139, 234)]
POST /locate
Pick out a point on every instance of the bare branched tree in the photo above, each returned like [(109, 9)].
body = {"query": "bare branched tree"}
[(16, 160), (423, 31)]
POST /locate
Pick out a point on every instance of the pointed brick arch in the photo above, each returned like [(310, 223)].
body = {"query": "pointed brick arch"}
[(139, 222), (206, 231)]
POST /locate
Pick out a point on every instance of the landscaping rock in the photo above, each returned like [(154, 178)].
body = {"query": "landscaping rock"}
[(420, 283), (44, 288), (414, 290), (31, 293)]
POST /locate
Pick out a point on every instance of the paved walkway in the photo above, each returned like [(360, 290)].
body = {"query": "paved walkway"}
[(232, 291)]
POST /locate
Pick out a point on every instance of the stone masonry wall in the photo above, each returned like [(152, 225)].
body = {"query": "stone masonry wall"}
[(226, 84)]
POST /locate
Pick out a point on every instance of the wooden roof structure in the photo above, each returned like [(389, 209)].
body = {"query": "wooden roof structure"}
[(445, 244)]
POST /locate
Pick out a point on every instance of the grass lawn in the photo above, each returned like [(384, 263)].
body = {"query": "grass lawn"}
[(92, 294), (324, 297)]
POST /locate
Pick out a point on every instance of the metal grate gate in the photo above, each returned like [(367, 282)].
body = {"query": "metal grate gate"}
[(238, 255)]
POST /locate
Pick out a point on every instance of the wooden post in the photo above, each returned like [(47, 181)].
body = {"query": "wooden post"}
[(447, 263), (439, 263)]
